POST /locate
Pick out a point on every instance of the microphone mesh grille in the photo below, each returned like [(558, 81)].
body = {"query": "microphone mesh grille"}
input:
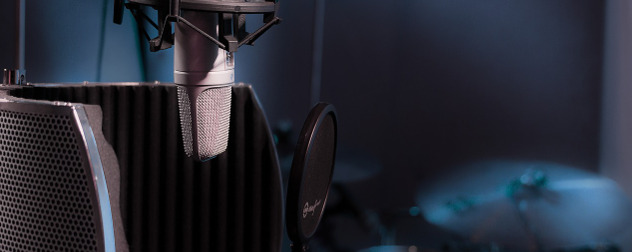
[(211, 121), (184, 107), (213, 113)]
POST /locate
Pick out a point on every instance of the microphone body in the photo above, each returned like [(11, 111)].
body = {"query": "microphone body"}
[(205, 75)]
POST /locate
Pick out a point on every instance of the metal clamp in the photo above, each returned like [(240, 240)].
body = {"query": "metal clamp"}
[(231, 19)]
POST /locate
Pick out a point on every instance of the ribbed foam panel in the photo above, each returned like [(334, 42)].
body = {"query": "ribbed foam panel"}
[(170, 202), (44, 182)]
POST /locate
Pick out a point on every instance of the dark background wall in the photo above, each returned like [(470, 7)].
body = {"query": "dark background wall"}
[(7, 43), (421, 87), (616, 140)]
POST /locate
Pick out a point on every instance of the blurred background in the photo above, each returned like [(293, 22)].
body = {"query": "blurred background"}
[(430, 95)]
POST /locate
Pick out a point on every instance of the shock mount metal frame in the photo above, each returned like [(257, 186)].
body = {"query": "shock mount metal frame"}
[(231, 20)]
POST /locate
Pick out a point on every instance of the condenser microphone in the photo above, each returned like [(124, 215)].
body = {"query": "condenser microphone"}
[(205, 75), (207, 33)]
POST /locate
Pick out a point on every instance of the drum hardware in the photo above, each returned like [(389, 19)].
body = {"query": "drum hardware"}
[(543, 207)]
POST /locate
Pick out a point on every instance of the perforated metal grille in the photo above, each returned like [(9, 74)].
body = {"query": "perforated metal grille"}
[(44, 194), (213, 121), (213, 113), (184, 107)]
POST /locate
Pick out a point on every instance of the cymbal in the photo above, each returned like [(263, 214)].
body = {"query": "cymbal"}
[(526, 206)]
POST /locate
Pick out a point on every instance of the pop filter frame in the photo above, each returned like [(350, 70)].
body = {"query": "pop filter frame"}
[(311, 175)]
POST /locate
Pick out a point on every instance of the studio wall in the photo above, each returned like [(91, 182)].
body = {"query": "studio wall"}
[(420, 86)]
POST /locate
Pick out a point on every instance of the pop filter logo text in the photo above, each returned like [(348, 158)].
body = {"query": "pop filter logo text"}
[(307, 209)]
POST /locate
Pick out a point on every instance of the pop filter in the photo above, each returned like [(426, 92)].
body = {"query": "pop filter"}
[(311, 174)]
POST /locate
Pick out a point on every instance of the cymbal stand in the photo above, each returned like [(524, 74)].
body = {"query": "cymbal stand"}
[(529, 185)]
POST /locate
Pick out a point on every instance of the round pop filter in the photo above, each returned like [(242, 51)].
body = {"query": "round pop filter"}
[(311, 174)]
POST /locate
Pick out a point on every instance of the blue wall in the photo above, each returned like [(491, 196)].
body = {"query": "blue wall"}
[(74, 41)]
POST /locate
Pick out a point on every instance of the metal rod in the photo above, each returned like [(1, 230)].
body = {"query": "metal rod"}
[(104, 14), (529, 229), (20, 34), (250, 38), (174, 8), (317, 50)]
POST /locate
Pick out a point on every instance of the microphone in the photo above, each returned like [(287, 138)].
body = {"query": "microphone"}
[(207, 33), (204, 74)]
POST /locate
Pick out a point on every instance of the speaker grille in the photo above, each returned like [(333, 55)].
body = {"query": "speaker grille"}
[(44, 194)]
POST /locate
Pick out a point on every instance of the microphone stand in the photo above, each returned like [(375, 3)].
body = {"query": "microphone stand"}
[(527, 226)]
